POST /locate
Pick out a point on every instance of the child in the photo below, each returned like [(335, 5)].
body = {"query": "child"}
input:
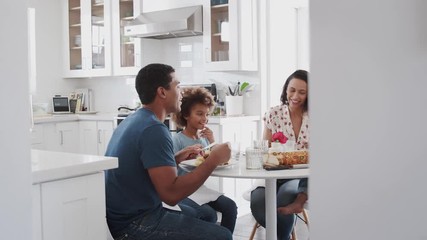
[(196, 104)]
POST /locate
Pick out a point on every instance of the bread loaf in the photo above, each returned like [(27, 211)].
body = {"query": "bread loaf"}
[(292, 158)]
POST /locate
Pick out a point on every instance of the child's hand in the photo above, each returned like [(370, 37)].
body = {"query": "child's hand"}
[(189, 152), (208, 134)]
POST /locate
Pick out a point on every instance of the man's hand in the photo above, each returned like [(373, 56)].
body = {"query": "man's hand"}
[(220, 153)]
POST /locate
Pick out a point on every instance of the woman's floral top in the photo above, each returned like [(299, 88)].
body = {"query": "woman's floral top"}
[(279, 120)]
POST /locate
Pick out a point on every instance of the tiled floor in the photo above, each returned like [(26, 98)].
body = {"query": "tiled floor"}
[(245, 224)]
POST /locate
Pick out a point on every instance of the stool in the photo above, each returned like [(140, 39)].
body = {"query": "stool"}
[(293, 234)]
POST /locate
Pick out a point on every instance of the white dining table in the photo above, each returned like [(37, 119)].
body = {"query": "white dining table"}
[(239, 170)]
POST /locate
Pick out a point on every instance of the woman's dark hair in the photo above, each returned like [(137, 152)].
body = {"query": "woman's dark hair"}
[(298, 74), (190, 97), (151, 77)]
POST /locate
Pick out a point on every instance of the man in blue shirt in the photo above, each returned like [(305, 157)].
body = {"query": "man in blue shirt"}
[(147, 172)]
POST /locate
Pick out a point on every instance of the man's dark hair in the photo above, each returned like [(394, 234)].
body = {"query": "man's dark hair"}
[(298, 74), (151, 77)]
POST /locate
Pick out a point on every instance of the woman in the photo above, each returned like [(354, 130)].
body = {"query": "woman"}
[(290, 118), (196, 105)]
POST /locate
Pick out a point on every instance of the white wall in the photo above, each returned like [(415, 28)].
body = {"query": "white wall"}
[(15, 170), (49, 25), (368, 116)]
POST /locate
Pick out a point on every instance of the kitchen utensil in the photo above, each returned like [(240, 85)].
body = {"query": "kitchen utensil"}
[(208, 146), (231, 91)]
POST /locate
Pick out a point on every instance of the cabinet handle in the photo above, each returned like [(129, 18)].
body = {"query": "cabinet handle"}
[(137, 60), (62, 137), (99, 136), (207, 55)]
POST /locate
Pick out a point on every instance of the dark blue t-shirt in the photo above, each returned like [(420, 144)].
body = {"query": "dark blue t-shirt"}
[(140, 142)]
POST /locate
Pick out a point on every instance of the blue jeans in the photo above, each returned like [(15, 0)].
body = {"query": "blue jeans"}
[(172, 225), (303, 185), (207, 212), (228, 208), (203, 212), (286, 193)]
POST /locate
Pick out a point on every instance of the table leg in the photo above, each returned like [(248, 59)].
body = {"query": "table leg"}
[(270, 209)]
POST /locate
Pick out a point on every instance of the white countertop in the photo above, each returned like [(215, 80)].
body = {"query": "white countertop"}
[(231, 119), (49, 118), (49, 166)]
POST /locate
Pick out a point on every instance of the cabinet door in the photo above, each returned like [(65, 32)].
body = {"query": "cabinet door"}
[(87, 44), (105, 131), (126, 51), (230, 37), (88, 136), (248, 133), (74, 208), (37, 137), (231, 132), (37, 211), (68, 136)]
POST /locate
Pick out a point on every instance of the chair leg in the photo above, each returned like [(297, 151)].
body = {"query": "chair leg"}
[(256, 225), (305, 215), (293, 234)]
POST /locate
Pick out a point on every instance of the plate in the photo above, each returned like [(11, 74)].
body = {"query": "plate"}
[(87, 112), (300, 166), (192, 163), (282, 167)]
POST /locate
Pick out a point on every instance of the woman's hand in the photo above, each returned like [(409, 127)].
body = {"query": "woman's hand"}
[(189, 152), (208, 134)]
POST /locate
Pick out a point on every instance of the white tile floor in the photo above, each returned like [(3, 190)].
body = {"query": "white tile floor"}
[(245, 224)]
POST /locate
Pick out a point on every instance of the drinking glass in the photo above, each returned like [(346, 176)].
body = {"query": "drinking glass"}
[(254, 158), (263, 145), (235, 150)]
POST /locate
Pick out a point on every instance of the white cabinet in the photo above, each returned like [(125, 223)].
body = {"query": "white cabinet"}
[(37, 136), (87, 38), (239, 129), (71, 208), (126, 51), (94, 41), (94, 136), (243, 131), (230, 36), (61, 137), (37, 212)]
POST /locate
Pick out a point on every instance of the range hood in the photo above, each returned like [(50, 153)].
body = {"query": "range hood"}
[(172, 23)]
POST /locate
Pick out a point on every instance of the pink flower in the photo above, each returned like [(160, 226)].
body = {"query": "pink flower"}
[(279, 137)]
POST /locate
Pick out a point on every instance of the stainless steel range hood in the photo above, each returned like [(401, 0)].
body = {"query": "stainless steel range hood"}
[(178, 22)]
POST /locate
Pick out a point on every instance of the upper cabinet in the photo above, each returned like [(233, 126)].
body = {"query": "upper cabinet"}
[(126, 50), (231, 36), (87, 38), (94, 43)]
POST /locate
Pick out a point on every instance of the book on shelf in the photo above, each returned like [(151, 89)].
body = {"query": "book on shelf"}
[(83, 97)]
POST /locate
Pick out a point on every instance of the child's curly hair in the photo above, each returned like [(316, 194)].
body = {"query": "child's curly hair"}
[(190, 97)]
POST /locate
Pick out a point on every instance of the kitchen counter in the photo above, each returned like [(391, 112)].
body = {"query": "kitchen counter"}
[(231, 119), (68, 195), (49, 118), (49, 166)]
